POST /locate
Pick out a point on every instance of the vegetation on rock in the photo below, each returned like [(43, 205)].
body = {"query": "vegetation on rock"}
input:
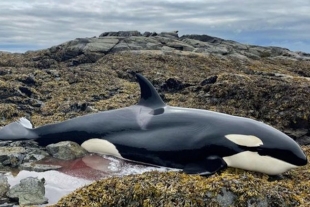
[(269, 85), (233, 187)]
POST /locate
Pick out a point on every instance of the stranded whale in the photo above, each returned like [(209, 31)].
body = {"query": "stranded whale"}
[(195, 141)]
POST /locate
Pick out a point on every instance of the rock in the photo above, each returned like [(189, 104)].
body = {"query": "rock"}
[(209, 80), (220, 50), (38, 167), (24, 143), (226, 198), (203, 38), (34, 154), (303, 140), (121, 46), (197, 44), (29, 79), (121, 34), (30, 191), (173, 85), (73, 107), (66, 150), (269, 84), (147, 34), (90, 50), (4, 203), (12, 156), (46, 63), (173, 34), (4, 185), (101, 45), (236, 188), (178, 45)]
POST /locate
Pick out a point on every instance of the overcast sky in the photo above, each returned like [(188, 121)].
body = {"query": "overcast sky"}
[(38, 24)]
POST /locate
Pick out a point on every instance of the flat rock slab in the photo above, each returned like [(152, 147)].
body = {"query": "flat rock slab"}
[(38, 167)]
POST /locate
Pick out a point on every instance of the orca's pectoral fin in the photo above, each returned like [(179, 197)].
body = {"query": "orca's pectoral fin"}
[(209, 166)]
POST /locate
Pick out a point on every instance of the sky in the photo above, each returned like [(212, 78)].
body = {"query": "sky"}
[(40, 24)]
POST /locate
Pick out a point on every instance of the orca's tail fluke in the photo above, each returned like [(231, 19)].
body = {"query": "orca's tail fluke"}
[(19, 130)]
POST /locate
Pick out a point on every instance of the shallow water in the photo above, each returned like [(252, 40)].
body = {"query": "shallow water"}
[(79, 172)]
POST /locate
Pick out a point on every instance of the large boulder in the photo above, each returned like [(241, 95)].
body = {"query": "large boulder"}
[(66, 150)]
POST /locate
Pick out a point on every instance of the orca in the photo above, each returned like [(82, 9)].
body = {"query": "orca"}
[(193, 140)]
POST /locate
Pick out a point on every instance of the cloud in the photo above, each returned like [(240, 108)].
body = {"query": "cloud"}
[(28, 25)]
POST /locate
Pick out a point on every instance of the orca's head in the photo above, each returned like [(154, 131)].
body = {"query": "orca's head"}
[(265, 149)]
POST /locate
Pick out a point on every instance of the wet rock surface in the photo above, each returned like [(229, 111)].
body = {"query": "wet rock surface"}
[(14, 154)]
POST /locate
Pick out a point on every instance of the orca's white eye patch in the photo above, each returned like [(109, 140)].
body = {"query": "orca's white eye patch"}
[(245, 140)]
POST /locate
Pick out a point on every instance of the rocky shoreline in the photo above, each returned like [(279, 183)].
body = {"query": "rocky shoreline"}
[(87, 75), (24, 155)]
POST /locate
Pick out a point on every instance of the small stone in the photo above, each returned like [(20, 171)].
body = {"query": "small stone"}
[(209, 80)]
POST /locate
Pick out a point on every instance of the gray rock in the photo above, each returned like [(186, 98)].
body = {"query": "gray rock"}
[(66, 150), (90, 50), (35, 155), (135, 47), (122, 46), (304, 140), (147, 34), (195, 43), (153, 46), (172, 35), (4, 185), (38, 167), (167, 49), (30, 191), (226, 198), (5, 204), (121, 34), (220, 50), (203, 38), (102, 45), (257, 203), (178, 45), (12, 156)]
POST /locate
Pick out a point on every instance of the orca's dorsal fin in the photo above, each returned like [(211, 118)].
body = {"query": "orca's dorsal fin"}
[(149, 95)]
